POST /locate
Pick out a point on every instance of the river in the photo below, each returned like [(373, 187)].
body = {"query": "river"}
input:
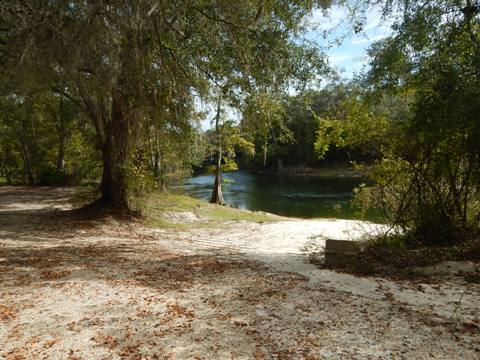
[(298, 196)]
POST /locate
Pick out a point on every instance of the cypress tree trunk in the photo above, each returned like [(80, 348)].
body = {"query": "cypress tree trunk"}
[(217, 196)]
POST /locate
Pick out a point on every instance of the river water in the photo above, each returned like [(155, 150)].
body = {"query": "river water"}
[(305, 197)]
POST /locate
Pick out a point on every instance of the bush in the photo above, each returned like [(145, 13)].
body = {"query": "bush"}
[(50, 176)]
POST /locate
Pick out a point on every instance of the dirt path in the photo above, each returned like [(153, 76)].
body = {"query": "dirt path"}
[(77, 289)]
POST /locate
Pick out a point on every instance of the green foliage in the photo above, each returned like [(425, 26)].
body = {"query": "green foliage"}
[(420, 113), (288, 125), (43, 141), (232, 141), (134, 69), (228, 165), (141, 178), (353, 124), (49, 175), (82, 160)]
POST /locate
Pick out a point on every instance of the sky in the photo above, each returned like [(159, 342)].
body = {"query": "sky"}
[(350, 56)]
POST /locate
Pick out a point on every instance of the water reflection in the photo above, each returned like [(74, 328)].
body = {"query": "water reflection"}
[(305, 197)]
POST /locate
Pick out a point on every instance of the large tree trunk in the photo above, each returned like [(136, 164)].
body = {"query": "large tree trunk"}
[(115, 153), (217, 196)]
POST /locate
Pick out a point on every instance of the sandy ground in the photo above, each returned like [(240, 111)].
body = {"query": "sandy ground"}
[(78, 289)]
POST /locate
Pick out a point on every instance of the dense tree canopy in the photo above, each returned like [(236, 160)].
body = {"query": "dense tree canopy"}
[(131, 63), (420, 103)]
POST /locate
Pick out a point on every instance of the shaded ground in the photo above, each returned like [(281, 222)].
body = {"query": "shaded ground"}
[(82, 289)]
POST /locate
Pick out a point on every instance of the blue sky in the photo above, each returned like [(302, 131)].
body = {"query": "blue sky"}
[(350, 56)]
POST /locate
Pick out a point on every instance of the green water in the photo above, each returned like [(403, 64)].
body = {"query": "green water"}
[(305, 197)]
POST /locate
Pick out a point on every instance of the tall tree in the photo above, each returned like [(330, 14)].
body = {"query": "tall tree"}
[(119, 58), (423, 110), (217, 195), (263, 117)]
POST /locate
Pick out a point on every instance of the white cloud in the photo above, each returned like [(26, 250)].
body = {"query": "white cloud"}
[(340, 58), (333, 30), (367, 39), (329, 19), (373, 25)]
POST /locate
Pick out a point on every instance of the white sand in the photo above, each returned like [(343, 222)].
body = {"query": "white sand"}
[(106, 290)]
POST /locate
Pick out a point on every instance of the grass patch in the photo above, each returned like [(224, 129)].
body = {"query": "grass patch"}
[(165, 210), (226, 213), (155, 206)]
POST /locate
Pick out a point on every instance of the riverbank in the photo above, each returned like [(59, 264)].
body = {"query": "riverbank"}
[(77, 288), (336, 171), (292, 196)]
